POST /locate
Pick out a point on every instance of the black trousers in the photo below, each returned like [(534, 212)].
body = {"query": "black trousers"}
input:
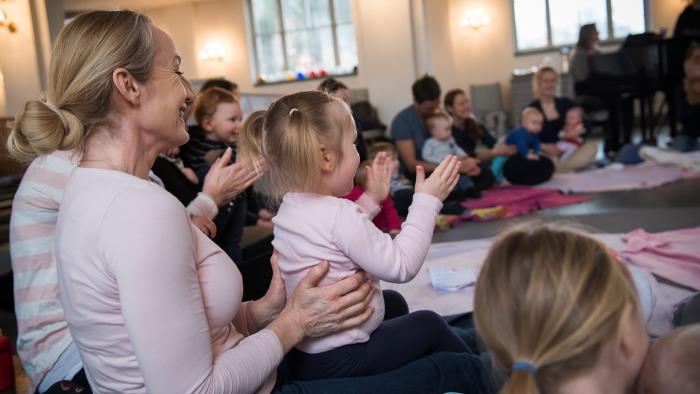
[(518, 170)]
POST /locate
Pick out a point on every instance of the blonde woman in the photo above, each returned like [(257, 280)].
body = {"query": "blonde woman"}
[(561, 317), (554, 109), (153, 305)]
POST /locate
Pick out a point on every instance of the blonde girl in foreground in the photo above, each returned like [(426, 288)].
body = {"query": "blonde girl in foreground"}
[(560, 313)]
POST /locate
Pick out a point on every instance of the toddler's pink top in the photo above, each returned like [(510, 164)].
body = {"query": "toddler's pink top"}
[(310, 227)]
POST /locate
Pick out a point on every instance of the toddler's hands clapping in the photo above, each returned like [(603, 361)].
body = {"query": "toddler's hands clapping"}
[(441, 182)]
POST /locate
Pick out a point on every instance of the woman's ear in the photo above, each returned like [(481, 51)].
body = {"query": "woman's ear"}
[(327, 159), (126, 86)]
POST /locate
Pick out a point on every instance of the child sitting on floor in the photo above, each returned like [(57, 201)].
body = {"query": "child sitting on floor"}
[(387, 219), (401, 187), (671, 365), (570, 137), (308, 141), (527, 166), (441, 145)]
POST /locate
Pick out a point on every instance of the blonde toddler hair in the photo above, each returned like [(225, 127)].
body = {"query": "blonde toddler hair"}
[(432, 119), (294, 128), (78, 99), (549, 298)]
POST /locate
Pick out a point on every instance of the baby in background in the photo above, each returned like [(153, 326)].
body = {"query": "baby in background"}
[(442, 144), (570, 137), (387, 219), (671, 365), (525, 137)]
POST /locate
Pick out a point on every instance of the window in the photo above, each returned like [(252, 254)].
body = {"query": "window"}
[(301, 39), (542, 24)]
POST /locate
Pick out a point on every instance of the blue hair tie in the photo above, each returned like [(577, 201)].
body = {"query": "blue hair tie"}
[(524, 366)]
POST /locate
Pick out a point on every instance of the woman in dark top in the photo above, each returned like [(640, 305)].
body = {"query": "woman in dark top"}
[(544, 86), (472, 136)]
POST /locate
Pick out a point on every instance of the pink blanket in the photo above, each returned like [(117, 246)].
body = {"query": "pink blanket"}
[(616, 177), (674, 255), (520, 200)]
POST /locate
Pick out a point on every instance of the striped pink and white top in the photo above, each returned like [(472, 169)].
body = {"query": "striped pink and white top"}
[(42, 330)]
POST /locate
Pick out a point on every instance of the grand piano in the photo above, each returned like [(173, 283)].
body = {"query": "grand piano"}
[(645, 64)]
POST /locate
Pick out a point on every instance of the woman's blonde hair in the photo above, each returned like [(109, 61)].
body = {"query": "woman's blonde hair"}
[(537, 79), (294, 128), (549, 298), (78, 99)]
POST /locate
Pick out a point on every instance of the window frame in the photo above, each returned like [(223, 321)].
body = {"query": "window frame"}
[(253, 35), (550, 47)]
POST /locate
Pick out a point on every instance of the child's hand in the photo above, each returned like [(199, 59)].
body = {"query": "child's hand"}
[(503, 149), (441, 182), (533, 156), (190, 175), (379, 178), (224, 182), (264, 214)]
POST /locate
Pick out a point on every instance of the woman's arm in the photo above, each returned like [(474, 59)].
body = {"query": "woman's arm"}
[(407, 153)]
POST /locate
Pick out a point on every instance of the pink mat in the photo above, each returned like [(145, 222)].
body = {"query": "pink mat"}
[(616, 177), (520, 200), (419, 293)]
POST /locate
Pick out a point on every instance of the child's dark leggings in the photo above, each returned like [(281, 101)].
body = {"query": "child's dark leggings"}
[(393, 344)]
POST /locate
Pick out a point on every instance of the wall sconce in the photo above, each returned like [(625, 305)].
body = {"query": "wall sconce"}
[(212, 51), (476, 19), (5, 22)]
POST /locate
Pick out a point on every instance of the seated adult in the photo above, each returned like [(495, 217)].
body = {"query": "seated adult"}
[(562, 317), (409, 131), (152, 303), (470, 134), (554, 109), (588, 88)]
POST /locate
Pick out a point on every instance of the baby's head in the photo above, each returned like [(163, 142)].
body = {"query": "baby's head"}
[(440, 125), (553, 304), (532, 120), (671, 365), (218, 113), (308, 142), (574, 116), (391, 154)]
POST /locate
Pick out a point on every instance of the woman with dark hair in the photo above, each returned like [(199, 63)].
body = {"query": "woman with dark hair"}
[(587, 45), (471, 135)]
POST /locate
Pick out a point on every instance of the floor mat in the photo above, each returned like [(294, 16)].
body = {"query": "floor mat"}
[(617, 177)]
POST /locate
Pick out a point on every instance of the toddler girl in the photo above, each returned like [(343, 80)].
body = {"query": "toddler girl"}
[(308, 143), (560, 313)]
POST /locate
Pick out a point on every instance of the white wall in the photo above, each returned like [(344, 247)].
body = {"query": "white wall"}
[(19, 62)]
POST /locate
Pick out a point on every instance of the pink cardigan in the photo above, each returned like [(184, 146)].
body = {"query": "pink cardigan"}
[(153, 305)]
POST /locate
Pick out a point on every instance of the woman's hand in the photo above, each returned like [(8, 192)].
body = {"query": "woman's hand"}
[(266, 309), (503, 149), (470, 166), (441, 182), (205, 225), (224, 182), (314, 311), (379, 178)]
